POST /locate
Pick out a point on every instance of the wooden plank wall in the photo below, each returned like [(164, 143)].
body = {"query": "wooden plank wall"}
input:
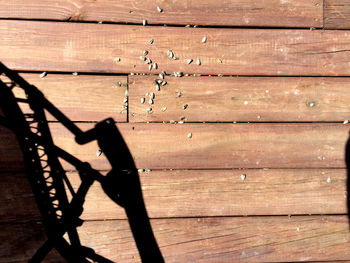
[(269, 104)]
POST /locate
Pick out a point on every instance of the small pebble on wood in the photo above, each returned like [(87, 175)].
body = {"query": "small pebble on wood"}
[(189, 135), (43, 75), (243, 177), (311, 104), (170, 54), (159, 9)]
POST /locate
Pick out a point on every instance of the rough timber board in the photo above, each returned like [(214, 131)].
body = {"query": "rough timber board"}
[(200, 193), (83, 97), (213, 145), (228, 99), (267, 13), (240, 239), (93, 47), (167, 146), (337, 14)]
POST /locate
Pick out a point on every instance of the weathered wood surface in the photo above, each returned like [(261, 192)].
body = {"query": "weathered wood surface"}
[(19, 242), (337, 14), (167, 146), (220, 99), (272, 13), (201, 193), (240, 239), (93, 47), (82, 97)]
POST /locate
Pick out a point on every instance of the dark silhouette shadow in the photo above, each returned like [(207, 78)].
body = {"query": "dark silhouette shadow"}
[(47, 178), (347, 160)]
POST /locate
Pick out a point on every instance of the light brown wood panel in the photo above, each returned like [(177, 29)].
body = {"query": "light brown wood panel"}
[(167, 146), (273, 13), (240, 239), (94, 47), (82, 97), (213, 145), (337, 14), (189, 193), (240, 99)]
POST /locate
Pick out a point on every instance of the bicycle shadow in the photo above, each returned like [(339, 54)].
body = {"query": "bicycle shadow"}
[(27, 147)]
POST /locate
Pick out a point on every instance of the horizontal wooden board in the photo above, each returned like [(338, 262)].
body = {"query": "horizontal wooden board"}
[(189, 193), (337, 14), (83, 97), (93, 47), (208, 12), (213, 145), (240, 239), (167, 146), (240, 99)]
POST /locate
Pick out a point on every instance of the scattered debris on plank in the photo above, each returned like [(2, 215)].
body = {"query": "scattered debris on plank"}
[(43, 75)]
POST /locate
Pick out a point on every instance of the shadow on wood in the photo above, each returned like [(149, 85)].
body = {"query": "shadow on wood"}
[(48, 179)]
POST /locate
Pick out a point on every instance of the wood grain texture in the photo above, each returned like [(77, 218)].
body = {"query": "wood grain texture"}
[(19, 242), (337, 14), (199, 193), (273, 13), (167, 146), (93, 47), (240, 239), (220, 99), (82, 97)]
